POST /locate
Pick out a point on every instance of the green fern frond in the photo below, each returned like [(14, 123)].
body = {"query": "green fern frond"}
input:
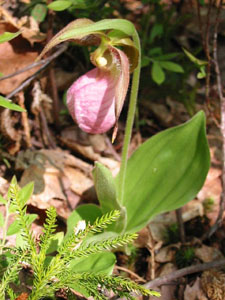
[(108, 244), (49, 228), (72, 242), (103, 222), (18, 204), (11, 294), (120, 286), (11, 274)]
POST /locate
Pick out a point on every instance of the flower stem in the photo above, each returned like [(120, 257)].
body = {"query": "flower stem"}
[(130, 121)]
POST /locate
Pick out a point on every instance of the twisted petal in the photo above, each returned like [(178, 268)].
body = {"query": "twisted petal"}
[(91, 101)]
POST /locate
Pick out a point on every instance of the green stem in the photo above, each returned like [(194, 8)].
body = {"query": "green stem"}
[(5, 227), (130, 121)]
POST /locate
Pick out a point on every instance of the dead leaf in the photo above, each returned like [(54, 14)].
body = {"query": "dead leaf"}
[(166, 254), (212, 189), (167, 291), (27, 25), (207, 254), (19, 54), (194, 292)]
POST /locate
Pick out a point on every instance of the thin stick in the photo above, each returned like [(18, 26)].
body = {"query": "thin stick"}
[(207, 52), (37, 63), (52, 80), (222, 125), (183, 272), (26, 82), (31, 78), (180, 225), (130, 272)]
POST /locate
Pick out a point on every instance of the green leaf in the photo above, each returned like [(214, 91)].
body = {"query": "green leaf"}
[(171, 66), (15, 227), (60, 5), (87, 212), (2, 200), (168, 56), (26, 192), (7, 36), (2, 221), (8, 104), (101, 262), (39, 12), (120, 24), (56, 240), (155, 51), (145, 61), (81, 28), (157, 30), (106, 191), (194, 59), (158, 74), (97, 263), (105, 188), (202, 73), (166, 172)]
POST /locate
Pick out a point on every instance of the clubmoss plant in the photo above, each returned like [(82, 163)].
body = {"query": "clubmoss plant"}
[(51, 273)]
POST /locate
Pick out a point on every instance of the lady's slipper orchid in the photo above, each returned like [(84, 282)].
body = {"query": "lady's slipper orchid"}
[(96, 99)]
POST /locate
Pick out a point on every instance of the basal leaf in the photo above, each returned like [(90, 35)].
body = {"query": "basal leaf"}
[(166, 172)]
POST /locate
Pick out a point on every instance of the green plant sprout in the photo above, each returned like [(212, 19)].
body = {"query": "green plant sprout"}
[(51, 273)]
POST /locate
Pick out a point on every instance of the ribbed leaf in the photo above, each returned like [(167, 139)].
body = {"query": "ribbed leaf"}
[(166, 172)]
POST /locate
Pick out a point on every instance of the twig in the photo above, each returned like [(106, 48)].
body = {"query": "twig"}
[(54, 91), (200, 24), (131, 273), (222, 125), (26, 82), (31, 78), (151, 248), (169, 278), (207, 52), (180, 225), (25, 120), (183, 272), (45, 130), (37, 63)]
